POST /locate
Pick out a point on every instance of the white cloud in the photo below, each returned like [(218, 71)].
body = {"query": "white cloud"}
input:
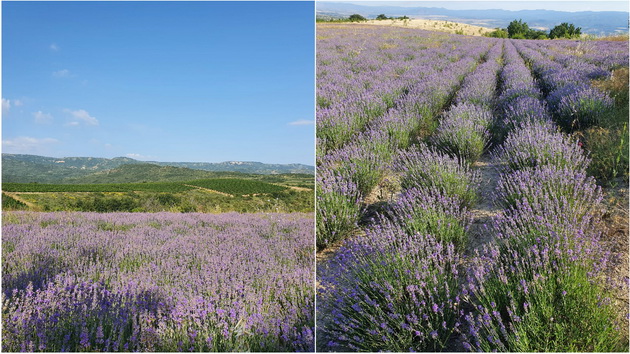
[(6, 105), (27, 145), (61, 73), (54, 47), (138, 156), (42, 118), (302, 122), (80, 116)]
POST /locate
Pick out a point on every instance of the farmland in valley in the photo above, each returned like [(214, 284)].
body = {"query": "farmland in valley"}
[(471, 192), (150, 188), (157, 282)]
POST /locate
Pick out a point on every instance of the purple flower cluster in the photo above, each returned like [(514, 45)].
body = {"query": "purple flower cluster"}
[(339, 207), (579, 105), (428, 211), (394, 291), (363, 161), (574, 102), (157, 282), (479, 87), (423, 166), (464, 131), (524, 110), (542, 269), (516, 79), (538, 144), (520, 101), (574, 188), (558, 64)]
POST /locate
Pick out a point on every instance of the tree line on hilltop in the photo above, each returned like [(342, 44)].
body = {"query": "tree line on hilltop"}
[(518, 29)]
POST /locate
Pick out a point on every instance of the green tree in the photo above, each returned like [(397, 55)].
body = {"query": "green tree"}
[(356, 18), (565, 30), (536, 34), (517, 29), (518, 36), (498, 33), (381, 17)]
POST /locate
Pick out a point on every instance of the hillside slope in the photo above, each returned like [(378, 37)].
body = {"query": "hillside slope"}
[(32, 168)]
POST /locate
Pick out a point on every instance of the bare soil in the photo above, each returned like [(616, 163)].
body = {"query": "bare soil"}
[(209, 190), (486, 208), (434, 25), (616, 239)]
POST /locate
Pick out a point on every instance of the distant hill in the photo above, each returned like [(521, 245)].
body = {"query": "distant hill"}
[(32, 168), (144, 172), (591, 22), (242, 166)]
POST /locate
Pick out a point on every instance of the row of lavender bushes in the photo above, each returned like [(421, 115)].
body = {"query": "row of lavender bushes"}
[(157, 282), (575, 103), (587, 87), (541, 286), (374, 102), (400, 287)]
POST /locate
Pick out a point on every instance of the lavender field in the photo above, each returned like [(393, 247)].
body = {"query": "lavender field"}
[(461, 192), (157, 282)]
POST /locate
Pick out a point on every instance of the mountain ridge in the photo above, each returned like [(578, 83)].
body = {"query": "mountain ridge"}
[(42, 169), (591, 22)]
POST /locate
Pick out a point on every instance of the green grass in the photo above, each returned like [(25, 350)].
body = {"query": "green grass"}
[(194, 200), (9, 203), (237, 186), (243, 195), (608, 142), (105, 187)]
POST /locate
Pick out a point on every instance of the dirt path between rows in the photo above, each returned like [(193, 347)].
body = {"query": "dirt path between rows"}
[(485, 209), (616, 239), (209, 190), (299, 189)]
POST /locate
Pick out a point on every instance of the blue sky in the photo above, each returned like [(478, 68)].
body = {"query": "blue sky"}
[(512, 5), (163, 81)]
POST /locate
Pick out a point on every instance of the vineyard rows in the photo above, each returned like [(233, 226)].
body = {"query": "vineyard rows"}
[(402, 117), (231, 186)]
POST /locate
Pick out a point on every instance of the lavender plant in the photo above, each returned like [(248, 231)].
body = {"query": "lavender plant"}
[(579, 106), (539, 290), (401, 127), (338, 207), (425, 167), (363, 161), (463, 132), (574, 188), (393, 292), (537, 144), (524, 110), (427, 211)]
